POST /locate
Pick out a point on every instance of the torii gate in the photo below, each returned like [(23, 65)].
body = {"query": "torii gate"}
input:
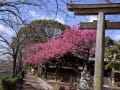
[(101, 10)]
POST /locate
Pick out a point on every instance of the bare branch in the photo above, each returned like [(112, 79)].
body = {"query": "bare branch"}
[(3, 39), (56, 8), (6, 54)]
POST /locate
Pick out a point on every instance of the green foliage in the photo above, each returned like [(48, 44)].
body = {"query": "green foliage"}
[(113, 64), (108, 41), (112, 47), (110, 51), (48, 24), (1, 88), (35, 32), (40, 24), (9, 83)]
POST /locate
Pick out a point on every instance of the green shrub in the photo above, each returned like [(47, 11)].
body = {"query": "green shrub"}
[(9, 83), (1, 88)]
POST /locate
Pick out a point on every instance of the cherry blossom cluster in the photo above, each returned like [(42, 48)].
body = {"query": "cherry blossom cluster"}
[(72, 40)]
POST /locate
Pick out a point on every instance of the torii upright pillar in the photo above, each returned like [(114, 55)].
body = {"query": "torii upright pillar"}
[(99, 56), (100, 10)]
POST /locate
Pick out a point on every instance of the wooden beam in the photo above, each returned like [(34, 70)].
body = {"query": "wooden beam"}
[(93, 25), (94, 9)]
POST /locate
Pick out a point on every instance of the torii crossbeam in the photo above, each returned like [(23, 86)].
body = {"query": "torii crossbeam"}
[(93, 25), (101, 10)]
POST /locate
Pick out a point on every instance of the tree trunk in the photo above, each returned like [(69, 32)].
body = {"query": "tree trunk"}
[(14, 65), (39, 70), (57, 68), (113, 77), (87, 61)]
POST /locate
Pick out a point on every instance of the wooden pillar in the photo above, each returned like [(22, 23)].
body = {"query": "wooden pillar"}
[(99, 56)]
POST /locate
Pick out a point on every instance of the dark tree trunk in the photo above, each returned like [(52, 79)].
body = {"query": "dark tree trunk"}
[(86, 62), (88, 58), (14, 65)]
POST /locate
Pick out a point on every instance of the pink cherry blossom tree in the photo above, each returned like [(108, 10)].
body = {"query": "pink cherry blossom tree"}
[(72, 40)]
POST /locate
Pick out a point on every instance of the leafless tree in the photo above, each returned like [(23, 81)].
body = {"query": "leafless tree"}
[(12, 45)]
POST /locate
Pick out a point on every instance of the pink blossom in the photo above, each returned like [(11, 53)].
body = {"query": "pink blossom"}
[(72, 40)]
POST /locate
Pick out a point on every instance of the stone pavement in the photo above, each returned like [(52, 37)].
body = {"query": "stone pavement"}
[(111, 88), (36, 83)]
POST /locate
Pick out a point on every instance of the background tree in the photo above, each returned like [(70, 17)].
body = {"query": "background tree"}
[(112, 54), (11, 46), (42, 30)]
